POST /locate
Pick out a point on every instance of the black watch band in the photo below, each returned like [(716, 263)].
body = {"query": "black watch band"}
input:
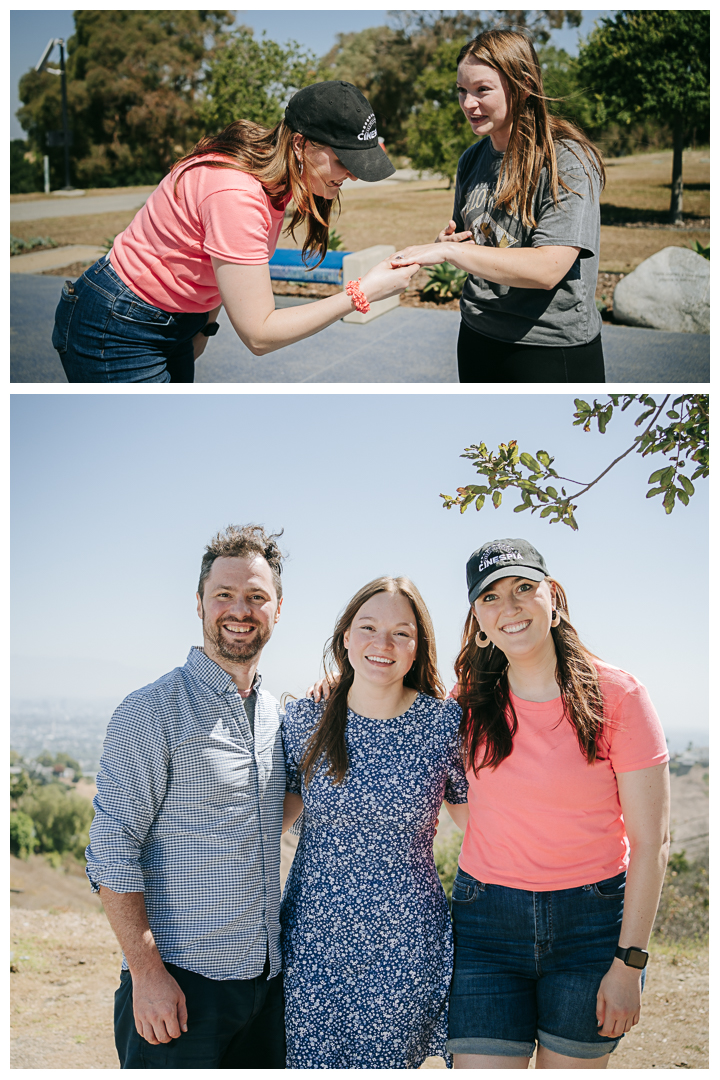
[(210, 329), (633, 957)]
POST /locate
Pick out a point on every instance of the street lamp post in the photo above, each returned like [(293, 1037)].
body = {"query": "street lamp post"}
[(51, 135)]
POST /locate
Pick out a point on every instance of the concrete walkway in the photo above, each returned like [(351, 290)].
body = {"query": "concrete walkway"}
[(60, 206), (85, 204), (405, 346), (54, 258)]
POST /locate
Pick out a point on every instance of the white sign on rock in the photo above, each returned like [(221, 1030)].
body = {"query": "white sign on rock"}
[(668, 291)]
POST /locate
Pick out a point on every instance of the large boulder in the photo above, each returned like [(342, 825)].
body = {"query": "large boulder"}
[(668, 291)]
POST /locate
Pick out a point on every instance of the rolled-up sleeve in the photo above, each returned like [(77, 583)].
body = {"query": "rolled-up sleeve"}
[(131, 786)]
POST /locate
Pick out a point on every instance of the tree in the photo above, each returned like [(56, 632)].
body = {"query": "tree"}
[(252, 79), (382, 62), (22, 834), (26, 171), (133, 83), (651, 64), (681, 435)]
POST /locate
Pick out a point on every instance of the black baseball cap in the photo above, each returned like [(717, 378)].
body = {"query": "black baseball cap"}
[(503, 558), (338, 115)]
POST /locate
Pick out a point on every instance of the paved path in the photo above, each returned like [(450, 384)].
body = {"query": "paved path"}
[(405, 346), (64, 207), (54, 258)]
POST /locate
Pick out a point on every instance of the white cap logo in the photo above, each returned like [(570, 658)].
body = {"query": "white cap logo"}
[(369, 130)]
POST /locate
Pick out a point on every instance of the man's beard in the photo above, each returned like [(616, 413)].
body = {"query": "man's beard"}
[(238, 651)]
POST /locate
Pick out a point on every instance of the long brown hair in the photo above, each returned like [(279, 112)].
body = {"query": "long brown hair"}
[(535, 132), (327, 743), (489, 721), (268, 155)]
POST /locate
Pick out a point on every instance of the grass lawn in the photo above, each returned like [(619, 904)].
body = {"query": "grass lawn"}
[(634, 209)]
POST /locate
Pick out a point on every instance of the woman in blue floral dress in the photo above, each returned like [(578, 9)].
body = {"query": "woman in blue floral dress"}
[(366, 935)]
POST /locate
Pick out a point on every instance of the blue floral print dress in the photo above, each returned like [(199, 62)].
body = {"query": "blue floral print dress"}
[(366, 935)]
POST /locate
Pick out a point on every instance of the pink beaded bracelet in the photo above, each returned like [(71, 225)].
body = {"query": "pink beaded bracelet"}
[(358, 297)]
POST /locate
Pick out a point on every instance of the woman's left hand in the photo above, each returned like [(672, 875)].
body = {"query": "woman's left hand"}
[(426, 255), (618, 1000)]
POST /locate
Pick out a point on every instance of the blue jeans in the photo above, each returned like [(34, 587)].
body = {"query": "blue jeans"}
[(528, 966), (105, 333), (232, 1024)]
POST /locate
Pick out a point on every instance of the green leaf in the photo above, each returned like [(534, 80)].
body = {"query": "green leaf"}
[(654, 491), (552, 492), (479, 502), (653, 479), (530, 463), (669, 500), (673, 415), (581, 406), (521, 506), (547, 511), (683, 496), (689, 488), (544, 457), (497, 498)]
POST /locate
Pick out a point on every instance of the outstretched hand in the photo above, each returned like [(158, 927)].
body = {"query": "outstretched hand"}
[(449, 235)]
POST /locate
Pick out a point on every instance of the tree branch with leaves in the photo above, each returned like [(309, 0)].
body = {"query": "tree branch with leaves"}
[(677, 429)]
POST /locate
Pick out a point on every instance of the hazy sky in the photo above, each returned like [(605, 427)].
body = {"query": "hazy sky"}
[(115, 495), (30, 32)]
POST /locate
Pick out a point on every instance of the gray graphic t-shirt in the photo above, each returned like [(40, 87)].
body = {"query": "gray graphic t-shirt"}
[(565, 315)]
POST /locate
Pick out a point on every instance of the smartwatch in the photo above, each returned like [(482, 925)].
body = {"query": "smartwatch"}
[(632, 957), (210, 329)]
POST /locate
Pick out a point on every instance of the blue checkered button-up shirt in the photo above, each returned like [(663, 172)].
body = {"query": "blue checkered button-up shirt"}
[(189, 811)]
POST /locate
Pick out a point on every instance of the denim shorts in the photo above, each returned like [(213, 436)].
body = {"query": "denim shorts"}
[(528, 966), (105, 333)]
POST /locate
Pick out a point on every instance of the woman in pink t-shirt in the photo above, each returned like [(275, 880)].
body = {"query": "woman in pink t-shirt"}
[(568, 790), (204, 239)]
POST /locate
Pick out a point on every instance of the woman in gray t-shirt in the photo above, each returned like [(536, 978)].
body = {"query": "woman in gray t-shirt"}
[(526, 226)]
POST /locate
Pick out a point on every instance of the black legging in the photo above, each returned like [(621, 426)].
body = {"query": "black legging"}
[(485, 360)]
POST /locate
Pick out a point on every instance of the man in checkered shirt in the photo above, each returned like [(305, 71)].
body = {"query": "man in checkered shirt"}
[(185, 845)]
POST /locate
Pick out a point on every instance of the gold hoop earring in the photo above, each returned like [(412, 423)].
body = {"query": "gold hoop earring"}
[(482, 640)]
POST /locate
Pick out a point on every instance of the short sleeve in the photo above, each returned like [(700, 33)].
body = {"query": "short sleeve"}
[(574, 220), (456, 785), (633, 735), (297, 722), (237, 222)]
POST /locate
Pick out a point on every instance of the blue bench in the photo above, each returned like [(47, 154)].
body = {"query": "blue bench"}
[(287, 265)]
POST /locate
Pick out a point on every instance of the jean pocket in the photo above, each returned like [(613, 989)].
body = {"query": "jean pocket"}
[(63, 318), (465, 889), (611, 888), (130, 309)]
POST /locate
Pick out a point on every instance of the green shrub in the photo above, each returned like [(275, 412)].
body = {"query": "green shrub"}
[(61, 818), (19, 247), (446, 860), (445, 281), (701, 250), (335, 241), (22, 834), (684, 910)]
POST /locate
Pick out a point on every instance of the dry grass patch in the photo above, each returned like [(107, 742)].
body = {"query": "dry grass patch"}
[(92, 229), (638, 188)]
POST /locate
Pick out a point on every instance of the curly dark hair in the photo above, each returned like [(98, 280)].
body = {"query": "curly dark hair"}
[(239, 541)]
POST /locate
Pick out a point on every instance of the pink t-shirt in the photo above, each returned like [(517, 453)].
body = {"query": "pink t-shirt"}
[(544, 819), (164, 254)]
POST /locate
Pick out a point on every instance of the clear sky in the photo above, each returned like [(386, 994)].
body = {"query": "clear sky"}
[(115, 496), (30, 32)]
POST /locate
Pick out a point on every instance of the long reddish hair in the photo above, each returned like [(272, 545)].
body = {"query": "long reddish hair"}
[(535, 132), (268, 154)]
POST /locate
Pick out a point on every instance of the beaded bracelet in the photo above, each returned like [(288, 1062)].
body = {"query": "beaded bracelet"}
[(358, 297)]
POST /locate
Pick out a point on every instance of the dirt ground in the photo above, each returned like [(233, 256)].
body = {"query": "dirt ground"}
[(65, 962), (634, 213)]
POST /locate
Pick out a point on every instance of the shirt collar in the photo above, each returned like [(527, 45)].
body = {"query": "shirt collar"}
[(211, 674)]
